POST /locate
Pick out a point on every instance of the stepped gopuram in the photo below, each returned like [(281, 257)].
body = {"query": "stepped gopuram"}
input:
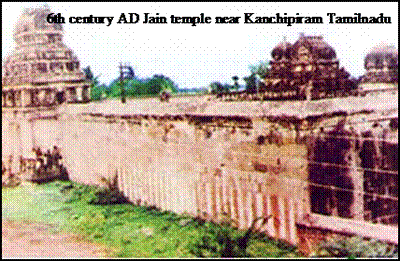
[(381, 65), (307, 69), (41, 70)]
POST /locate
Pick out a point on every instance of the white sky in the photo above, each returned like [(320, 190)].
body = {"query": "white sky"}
[(196, 56)]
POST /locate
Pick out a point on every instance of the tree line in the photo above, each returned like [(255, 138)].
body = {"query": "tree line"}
[(132, 86), (257, 72)]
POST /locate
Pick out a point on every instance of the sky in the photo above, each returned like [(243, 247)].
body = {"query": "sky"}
[(195, 56)]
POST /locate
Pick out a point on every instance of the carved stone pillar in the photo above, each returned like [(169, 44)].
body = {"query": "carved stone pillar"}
[(71, 95), (17, 98), (25, 98), (79, 94), (86, 94), (42, 97)]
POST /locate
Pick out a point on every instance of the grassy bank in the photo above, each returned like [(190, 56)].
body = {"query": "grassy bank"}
[(132, 231)]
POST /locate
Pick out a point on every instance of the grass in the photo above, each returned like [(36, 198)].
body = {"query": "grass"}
[(131, 231)]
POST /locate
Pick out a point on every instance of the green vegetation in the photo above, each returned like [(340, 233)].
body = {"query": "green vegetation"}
[(217, 87), (97, 91), (141, 87), (224, 241), (355, 247), (130, 230), (133, 86), (260, 71)]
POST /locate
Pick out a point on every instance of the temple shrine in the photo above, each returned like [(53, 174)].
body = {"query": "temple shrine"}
[(307, 69), (381, 65), (41, 70)]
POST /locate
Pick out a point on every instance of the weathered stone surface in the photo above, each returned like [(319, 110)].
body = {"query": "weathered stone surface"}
[(307, 69), (381, 64), (41, 70)]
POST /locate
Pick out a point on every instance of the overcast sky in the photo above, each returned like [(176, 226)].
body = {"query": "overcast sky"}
[(196, 56)]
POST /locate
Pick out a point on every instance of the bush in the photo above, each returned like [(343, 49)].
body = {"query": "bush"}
[(225, 241), (79, 193), (108, 195)]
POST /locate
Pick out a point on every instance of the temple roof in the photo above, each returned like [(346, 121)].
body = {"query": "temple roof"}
[(316, 44), (40, 55), (319, 49), (283, 49), (34, 19), (380, 55)]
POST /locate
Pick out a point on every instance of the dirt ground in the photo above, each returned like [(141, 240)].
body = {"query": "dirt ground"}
[(35, 240)]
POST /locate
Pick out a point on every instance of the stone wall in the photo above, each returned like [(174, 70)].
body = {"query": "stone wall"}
[(204, 165)]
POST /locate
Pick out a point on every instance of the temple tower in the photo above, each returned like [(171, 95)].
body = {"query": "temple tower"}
[(41, 70), (381, 65), (307, 69)]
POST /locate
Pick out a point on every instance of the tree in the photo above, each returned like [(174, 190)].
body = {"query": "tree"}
[(137, 87), (98, 90), (217, 87), (89, 74), (261, 69), (166, 83), (236, 84), (159, 83), (251, 83)]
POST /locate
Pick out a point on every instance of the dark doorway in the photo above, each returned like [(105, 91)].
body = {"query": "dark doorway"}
[(60, 97)]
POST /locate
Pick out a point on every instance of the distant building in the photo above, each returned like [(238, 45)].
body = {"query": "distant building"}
[(41, 70), (381, 65)]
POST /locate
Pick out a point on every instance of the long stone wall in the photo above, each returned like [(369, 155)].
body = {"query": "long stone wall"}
[(182, 165), (203, 165), (165, 170)]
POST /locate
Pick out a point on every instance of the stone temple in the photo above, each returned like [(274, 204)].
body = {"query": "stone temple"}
[(41, 70), (307, 69), (381, 65)]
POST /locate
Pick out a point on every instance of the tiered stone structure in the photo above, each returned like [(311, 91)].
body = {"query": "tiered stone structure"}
[(307, 69), (41, 70), (381, 65)]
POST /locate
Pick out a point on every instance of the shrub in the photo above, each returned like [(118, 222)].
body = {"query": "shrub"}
[(110, 194), (224, 241)]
